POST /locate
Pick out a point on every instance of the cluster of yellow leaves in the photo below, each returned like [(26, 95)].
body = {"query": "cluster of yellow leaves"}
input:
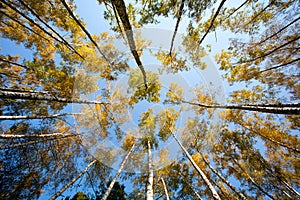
[(198, 160), (147, 120), (194, 52), (224, 59), (129, 140), (175, 94), (248, 96), (120, 104), (166, 120), (135, 82), (170, 62)]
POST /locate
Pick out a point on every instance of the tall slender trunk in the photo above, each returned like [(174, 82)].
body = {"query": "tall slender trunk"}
[(287, 186), (257, 15), (292, 109), (223, 194), (72, 181), (195, 193), (165, 188), (13, 136), (290, 188), (212, 21), (111, 185), (244, 3), (270, 52), (283, 28), (5, 94), (149, 195), (63, 41), (34, 142), (241, 195), (270, 139), (36, 116), (52, 29), (278, 66), (121, 9), (23, 25), (249, 178), (84, 30), (180, 12), (201, 173), (192, 188), (280, 178)]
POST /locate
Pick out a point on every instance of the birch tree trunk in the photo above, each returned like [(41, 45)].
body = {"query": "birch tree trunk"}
[(149, 195), (270, 139), (61, 40), (72, 181), (196, 193), (241, 195), (120, 6), (212, 22), (201, 173), (249, 178), (165, 188), (280, 178), (290, 188), (34, 142), (290, 109), (36, 117), (84, 30), (111, 185), (180, 12), (13, 136), (6, 94), (192, 188)]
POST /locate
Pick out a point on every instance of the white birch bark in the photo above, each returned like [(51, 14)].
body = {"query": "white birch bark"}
[(5, 94), (121, 9), (288, 109), (14, 136), (72, 181), (201, 173), (111, 185), (149, 194), (34, 142), (241, 195), (249, 178), (36, 116), (165, 188)]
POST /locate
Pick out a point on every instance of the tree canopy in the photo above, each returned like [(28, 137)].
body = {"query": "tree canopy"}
[(176, 99)]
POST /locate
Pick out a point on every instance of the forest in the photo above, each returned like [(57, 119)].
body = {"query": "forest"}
[(150, 99)]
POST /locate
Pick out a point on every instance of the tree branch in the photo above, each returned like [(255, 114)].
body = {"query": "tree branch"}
[(72, 181), (212, 22), (177, 25), (121, 9), (41, 96), (36, 116)]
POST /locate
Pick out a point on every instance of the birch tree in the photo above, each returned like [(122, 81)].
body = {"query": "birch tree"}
[(201, 173)]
